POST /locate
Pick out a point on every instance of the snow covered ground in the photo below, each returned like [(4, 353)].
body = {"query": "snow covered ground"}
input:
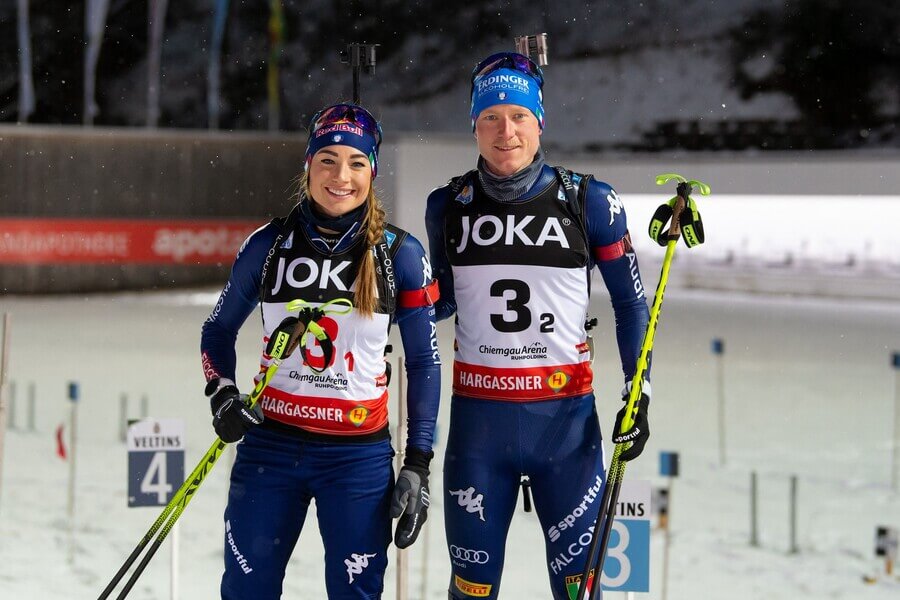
[(809, 391)]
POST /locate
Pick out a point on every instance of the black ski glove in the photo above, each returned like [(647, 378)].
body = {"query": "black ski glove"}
[(410, 500), (232, 415), (639, 432)]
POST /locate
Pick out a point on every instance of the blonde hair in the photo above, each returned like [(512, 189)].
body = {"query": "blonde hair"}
[(366, 295)]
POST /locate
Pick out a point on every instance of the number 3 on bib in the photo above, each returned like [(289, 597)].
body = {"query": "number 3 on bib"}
[(517, 294)]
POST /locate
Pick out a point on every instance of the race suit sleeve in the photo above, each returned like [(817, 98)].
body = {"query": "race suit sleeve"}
[(418, 331), (238, 299), (611, 249), (443, 272)]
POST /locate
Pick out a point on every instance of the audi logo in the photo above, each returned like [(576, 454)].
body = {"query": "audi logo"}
[(479, 557)]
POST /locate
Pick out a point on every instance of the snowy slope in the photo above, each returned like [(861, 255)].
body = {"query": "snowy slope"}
[(809, 391)]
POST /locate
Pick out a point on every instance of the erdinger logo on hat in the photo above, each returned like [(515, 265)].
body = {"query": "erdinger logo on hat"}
[(507, 86), (491, 82)]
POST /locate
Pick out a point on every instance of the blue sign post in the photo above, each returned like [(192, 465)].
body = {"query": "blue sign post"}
[(669, 466)]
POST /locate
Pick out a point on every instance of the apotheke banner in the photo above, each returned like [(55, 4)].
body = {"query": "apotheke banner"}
[(125, 241)]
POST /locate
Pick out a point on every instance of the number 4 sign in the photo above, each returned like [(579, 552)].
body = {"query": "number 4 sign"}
[(155, 461)]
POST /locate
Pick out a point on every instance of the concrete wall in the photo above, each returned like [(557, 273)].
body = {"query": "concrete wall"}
[(84, 173)]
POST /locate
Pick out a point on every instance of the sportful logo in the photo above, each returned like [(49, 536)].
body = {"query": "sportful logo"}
[(357, 564), (245, 566), (551, 231), (569, 520), (467, 499), (478, 557)]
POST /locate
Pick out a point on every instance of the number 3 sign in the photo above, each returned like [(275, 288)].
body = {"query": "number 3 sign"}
[(627, 564)]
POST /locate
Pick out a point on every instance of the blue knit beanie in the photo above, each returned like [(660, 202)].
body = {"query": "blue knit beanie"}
[(507, 86)]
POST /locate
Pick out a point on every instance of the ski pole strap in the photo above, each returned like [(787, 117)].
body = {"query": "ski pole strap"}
[(308, 315), (689, 220)]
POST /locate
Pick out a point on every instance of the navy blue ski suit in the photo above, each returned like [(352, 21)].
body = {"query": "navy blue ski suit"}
[(517, 274), (325, 436)]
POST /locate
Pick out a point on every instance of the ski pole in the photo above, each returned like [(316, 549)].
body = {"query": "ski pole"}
[(283, 346), (685, 219)]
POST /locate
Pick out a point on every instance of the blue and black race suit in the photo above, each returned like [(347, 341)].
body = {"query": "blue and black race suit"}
[(517, 275)]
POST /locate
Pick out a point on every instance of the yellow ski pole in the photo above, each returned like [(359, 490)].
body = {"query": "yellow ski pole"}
[(281, 348), (685, 219)]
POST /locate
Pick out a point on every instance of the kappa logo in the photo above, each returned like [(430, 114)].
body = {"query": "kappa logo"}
[(470, 501), (357, 564), (426, 271), (615, 205)]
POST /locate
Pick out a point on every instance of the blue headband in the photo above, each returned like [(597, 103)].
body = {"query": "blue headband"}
[(507, 86), (345, 130)]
